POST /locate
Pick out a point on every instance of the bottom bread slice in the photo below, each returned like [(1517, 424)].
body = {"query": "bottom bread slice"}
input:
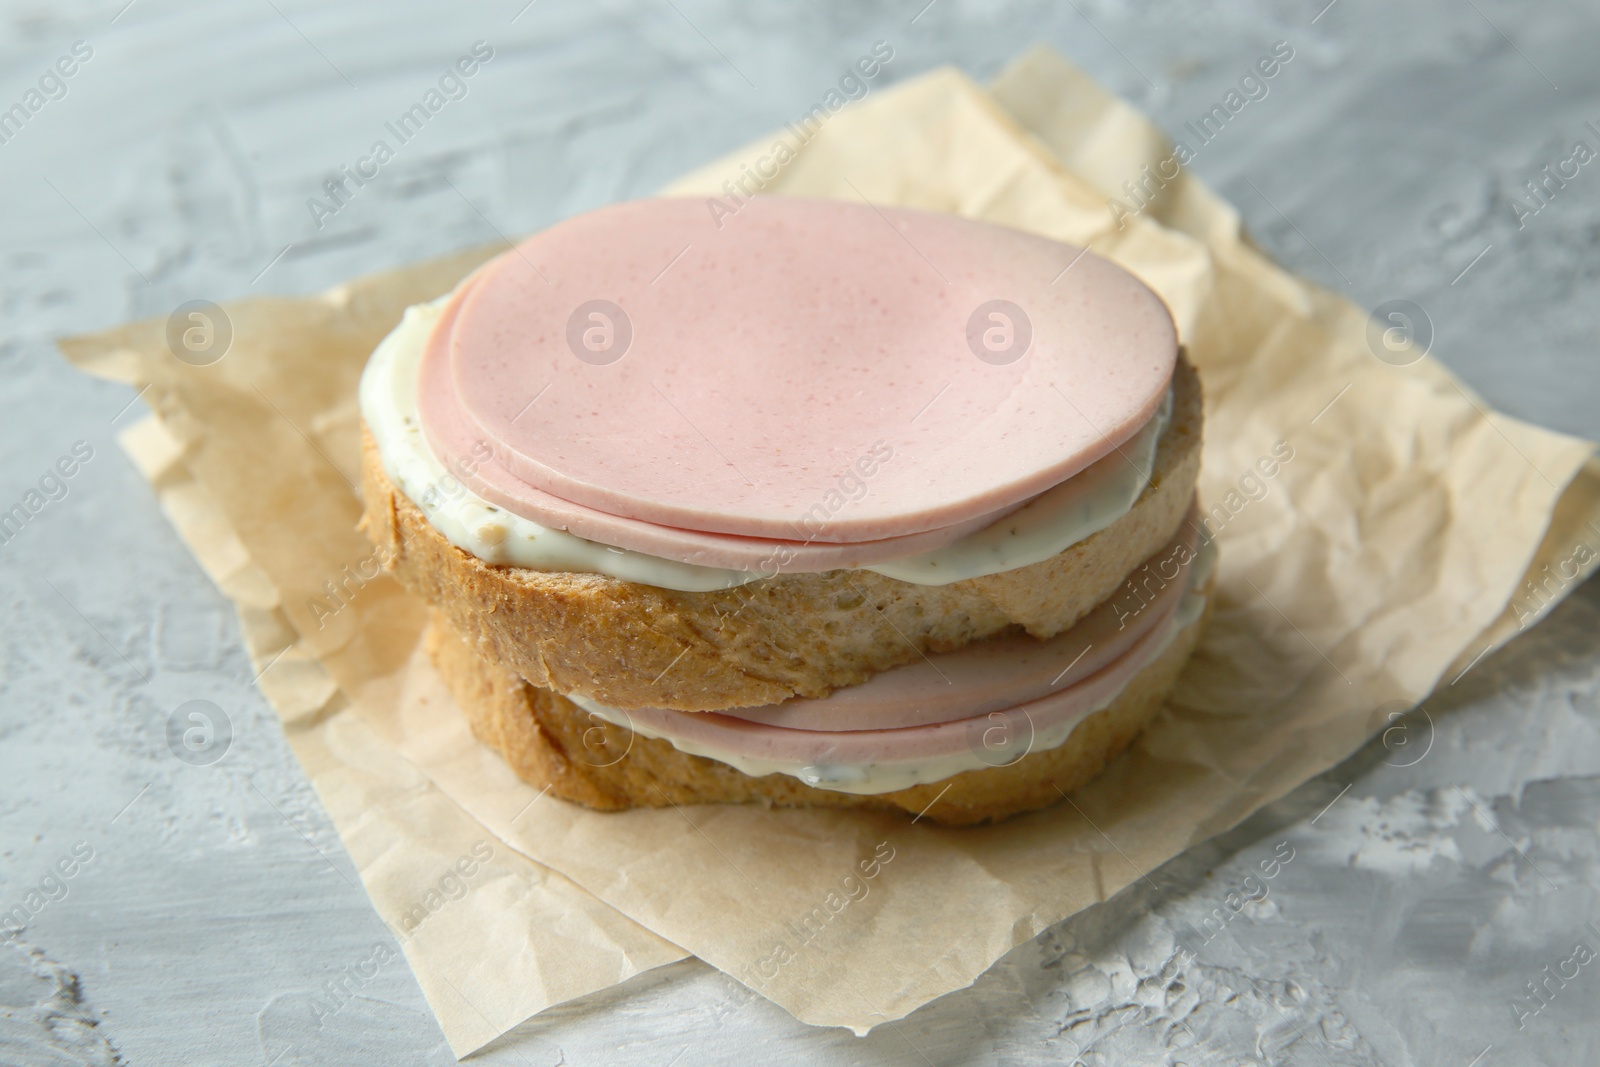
[(551, 742)]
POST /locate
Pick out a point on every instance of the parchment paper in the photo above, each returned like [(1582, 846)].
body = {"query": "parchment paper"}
[(1387, 553), (492, 936)]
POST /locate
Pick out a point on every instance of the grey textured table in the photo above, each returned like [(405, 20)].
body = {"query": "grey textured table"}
[(1431, 881)]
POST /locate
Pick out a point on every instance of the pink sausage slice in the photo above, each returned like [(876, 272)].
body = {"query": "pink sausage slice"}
[(459, 445), (806, 370)]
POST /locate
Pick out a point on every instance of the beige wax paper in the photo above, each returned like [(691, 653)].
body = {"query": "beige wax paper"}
[(492, 940), (1384, 554)]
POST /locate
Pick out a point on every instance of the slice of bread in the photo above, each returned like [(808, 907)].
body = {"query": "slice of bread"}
[(549, 741), (630, 645)]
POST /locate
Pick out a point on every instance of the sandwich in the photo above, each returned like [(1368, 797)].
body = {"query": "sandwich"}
[(818, 504)]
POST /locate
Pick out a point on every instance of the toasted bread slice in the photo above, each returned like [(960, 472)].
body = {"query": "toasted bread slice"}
[(630, 645), (551, 742)]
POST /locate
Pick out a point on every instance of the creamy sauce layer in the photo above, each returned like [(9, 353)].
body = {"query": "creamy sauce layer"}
[(1049, 524), (925, 754)]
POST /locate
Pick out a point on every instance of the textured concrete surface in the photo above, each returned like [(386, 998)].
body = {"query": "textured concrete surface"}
[(1416, 891)]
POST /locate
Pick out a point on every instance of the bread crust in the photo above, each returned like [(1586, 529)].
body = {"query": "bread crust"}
[(630, 645), (550, 742)]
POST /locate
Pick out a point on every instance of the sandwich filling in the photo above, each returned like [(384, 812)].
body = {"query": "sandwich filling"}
[(987, 704), (1042, 527)]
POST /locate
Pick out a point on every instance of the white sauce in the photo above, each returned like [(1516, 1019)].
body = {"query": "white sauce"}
[(870, 779), (1051, 523)]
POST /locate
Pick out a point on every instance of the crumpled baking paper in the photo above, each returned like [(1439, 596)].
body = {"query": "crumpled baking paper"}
[(1380, 531)]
